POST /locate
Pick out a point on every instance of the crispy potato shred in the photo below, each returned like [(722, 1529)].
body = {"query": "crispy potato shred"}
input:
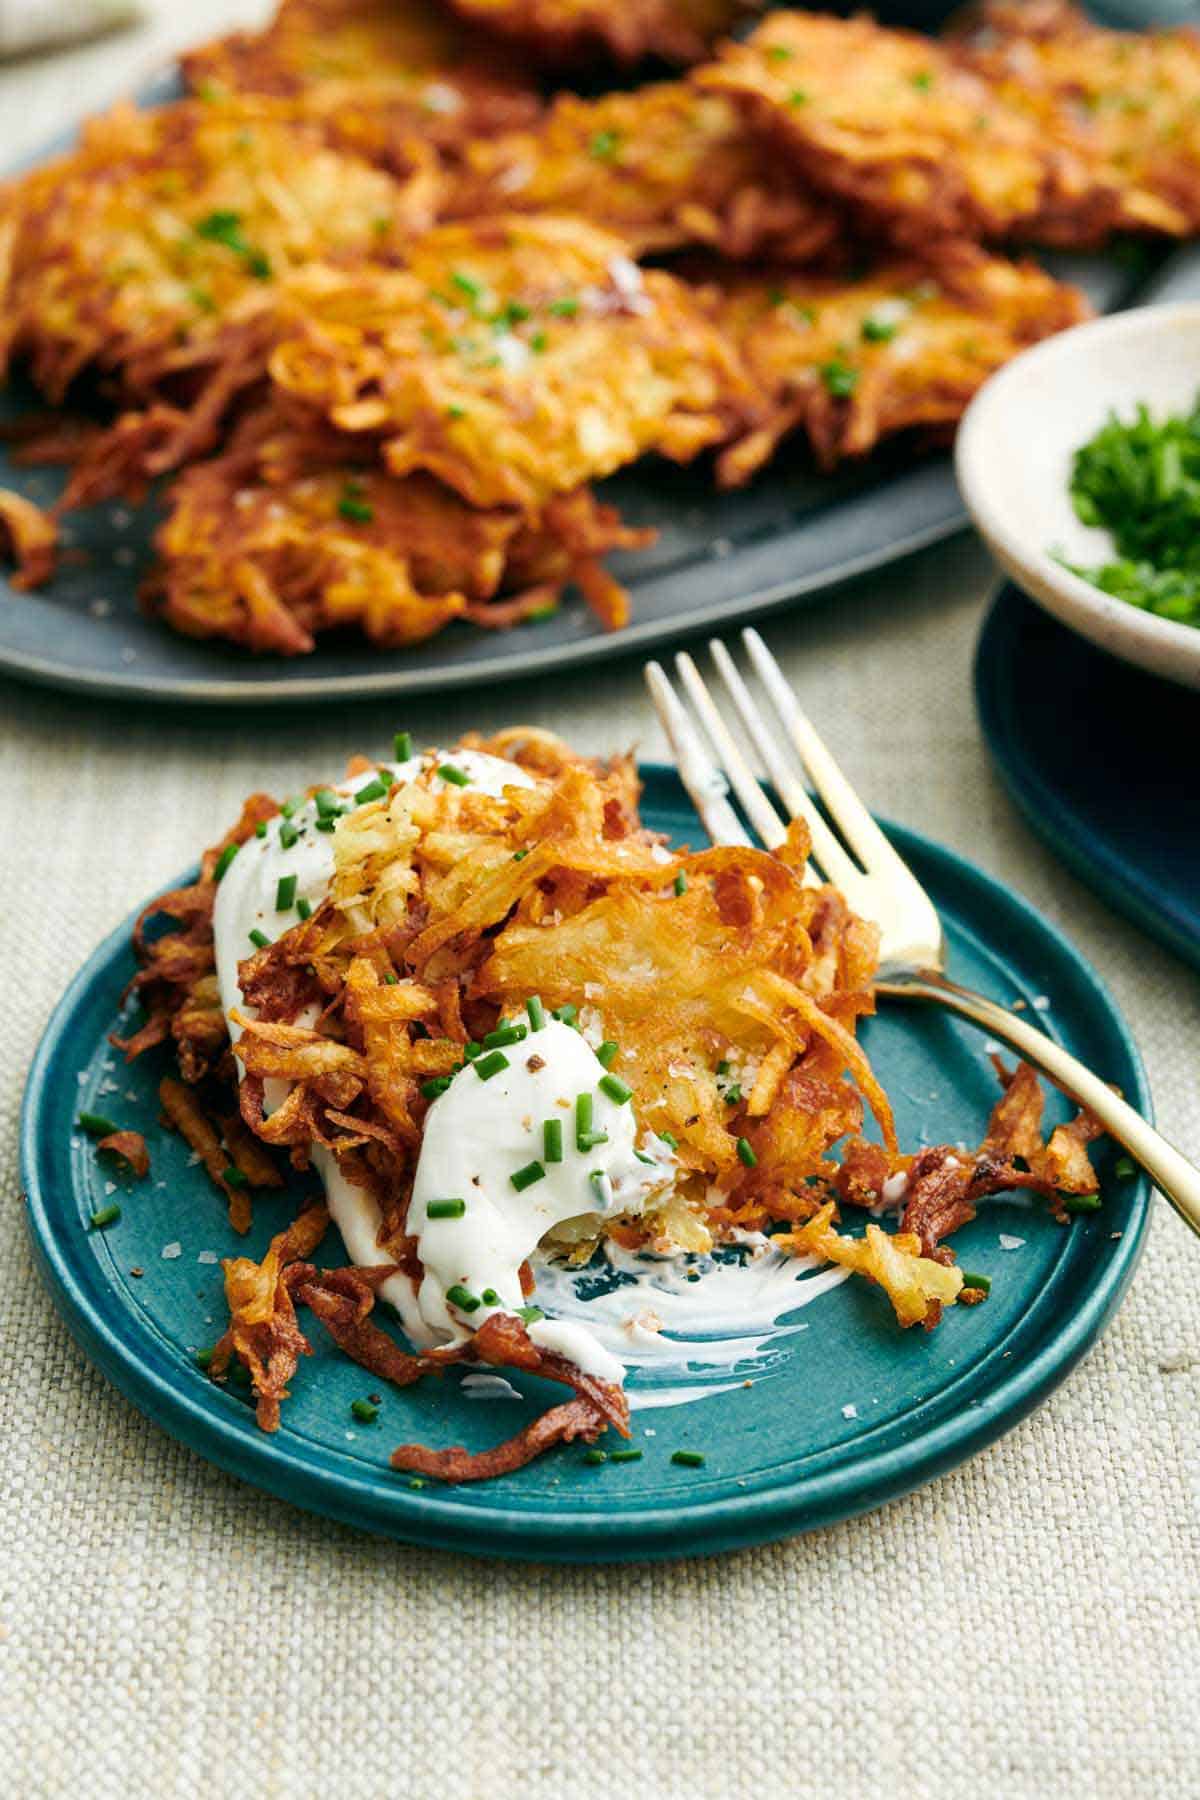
[(447, 909)]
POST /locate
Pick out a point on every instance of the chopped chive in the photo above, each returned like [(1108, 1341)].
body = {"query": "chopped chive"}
[(733, 1095), (289, 834), (520, 855), (1124, 1167), (626, 1456), (839, 378), (505, 1034), (490, 1297), (688, 1459), (448, 772), (583, 1121), (537, 1013), (608, 1053), (233, 1177), (680, 883), (487, 1066), (223, 861), (778, 53), (445, 1209), (328, 803), (566, 1015), (304, 907), (879, 331), (403, 746), (1082, 1203), (552, 1140), (798, 97), (328, 824), (530, 1315), (537, 342), (108, 1215), (359, 512), (745, 1150), (364, 1411), (643, 1158), (465, 284), (525, 1178), (259, 939), (374, 790), (471, 1051), (602, 1185), (260, 830), (292, 806), (391, 979), (456, 412), (923, 81), (435, 1086), (285, 893), (463, 1298), (669, 1138), (204, 1357), (594, 1456), (615, 1088), (604, 145), (96, 1124), (982, 1282), (563, 309), (416, 1481)]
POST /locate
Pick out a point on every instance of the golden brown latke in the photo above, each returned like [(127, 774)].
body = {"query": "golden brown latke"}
[(678, 31), (375, 72), (513, 359), (127, 256), (916, 143), (289, 534), (1129, 102), (851, 363), (664, 166)]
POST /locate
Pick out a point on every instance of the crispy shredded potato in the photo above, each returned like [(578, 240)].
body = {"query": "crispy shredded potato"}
[(851, 363), (375, 73), (130, 254), (290, 534), (513, 359), (678, 31), (900, 129), (1127, 102), (664, 166)]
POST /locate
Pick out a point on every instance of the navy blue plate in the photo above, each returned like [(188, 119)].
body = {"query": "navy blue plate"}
[(782, 1455), (1100, 758)]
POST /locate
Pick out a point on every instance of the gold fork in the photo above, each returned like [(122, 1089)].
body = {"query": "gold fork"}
[(875, 879)]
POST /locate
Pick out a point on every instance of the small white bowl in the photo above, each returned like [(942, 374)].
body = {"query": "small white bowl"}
[(1014, 453)]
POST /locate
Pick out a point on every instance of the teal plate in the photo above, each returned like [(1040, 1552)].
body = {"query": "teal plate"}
[(782, 1455)]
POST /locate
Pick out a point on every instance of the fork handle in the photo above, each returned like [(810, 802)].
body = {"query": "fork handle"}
[(1170, 1171)]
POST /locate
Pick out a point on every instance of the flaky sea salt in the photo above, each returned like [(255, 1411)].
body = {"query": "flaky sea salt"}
[(849, 1411), (1010, 1243), (171, 1251)]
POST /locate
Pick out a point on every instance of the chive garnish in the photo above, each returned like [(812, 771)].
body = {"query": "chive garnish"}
[(537, 1013), (359, 512), (608, 1053), (233, 1177), (223, 861), (403, 746), (490, 1297), (1082, 1203), (552, 1140), (745, 1150), (472, 1050), (529, 1315), (465, 284), (304, 907), (291, 806), (669, 1138), (626, 1456), (505, 1034), (615, 1088), (565, 308), (583, 1121), (259, 939), (327, 802), (566, 1015), (285, 893), (688, 1459), (879, 331), (525, 1178), (328, 824), (520, 855), (96, 1124), (435, 1086), (594, 1456), (487, 1066), (364, 1411), (204, 1357), (289, 834), (1124, 1167), (374, 790), (680, 883), (446, 1209), (108, 1215), (448, 772), (839, 378), (982, 1282), (463, 1298), (260, 830)]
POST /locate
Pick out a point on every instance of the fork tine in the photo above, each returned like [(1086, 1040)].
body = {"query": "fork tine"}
[(699, 774), (766, 821), (856, 823), (826, 851)]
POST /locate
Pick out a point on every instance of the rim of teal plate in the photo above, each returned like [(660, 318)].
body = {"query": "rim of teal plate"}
[(139, 1367), (1119, 883)]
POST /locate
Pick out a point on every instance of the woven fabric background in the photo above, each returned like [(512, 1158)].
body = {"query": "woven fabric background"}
[(1027, 1625)]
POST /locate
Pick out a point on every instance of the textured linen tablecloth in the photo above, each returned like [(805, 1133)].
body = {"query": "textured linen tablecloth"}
[(1026, 1625)]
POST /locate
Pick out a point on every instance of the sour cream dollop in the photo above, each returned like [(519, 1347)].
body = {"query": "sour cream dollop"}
[(479, 1133)]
